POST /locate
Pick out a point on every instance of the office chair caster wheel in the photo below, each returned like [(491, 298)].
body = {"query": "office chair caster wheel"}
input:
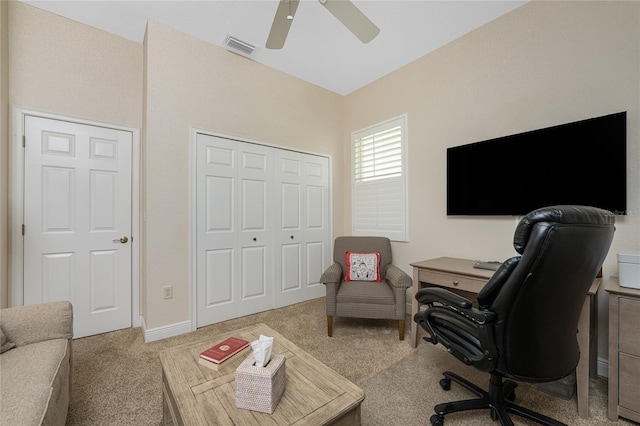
[(437, 420), (445, 384)]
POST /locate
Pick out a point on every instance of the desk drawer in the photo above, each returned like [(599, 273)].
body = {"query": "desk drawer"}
[(629, 323), (629, 382), (454, 281)]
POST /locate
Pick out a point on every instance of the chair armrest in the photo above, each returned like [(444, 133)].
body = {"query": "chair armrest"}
[(436, 294), (431, 295), (333, 274), (397, 277), (24, 325)]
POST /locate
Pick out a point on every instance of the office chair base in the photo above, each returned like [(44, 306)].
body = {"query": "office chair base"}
[(498, 400)]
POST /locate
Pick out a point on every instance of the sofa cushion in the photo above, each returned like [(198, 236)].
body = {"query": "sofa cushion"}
[(365, 292), (32, 376)]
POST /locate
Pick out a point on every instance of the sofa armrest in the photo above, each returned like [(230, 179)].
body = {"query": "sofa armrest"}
[(28, 324), (397, 277), (333, 274)]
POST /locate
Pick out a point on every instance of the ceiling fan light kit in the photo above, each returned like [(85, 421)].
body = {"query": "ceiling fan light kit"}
[(343, 10)]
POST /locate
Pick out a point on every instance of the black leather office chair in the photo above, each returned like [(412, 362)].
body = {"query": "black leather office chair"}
[(524, 327)]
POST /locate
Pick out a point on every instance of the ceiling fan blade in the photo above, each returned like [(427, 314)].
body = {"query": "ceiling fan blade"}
[(281, 23), (352, 18)]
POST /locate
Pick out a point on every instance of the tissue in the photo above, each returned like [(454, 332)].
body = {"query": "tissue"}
[(262, 350)]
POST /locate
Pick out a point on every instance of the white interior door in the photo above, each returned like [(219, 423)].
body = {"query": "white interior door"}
[(256, 228), (302, 226), (216, 224), (317, 231), (290, 244), (77, 217), (233, 229)]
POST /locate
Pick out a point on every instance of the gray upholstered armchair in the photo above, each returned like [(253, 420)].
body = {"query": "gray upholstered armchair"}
[(365, 299)]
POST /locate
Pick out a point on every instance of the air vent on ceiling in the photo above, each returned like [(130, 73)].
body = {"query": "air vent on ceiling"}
[(238, 45)]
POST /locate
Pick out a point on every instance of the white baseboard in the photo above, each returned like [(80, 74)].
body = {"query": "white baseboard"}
[(603, 368), (165, 331)]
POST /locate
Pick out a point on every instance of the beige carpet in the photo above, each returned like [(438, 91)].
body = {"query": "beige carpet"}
[(117, 377)]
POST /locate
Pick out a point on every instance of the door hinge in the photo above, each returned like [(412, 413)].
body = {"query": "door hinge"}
[(23, 229), (24, 141)]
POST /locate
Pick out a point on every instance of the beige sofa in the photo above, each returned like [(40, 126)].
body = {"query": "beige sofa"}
[(35, 364)]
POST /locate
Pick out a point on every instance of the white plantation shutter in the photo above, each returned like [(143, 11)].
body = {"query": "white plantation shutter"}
[(379, 180)]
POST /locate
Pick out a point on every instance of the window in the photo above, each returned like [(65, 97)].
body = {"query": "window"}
[(380, 180)]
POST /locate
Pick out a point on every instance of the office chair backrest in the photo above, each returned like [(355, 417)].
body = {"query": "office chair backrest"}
[(543, 291), (381, 245)]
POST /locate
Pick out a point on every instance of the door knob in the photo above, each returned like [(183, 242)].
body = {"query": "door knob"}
[(121, 240)]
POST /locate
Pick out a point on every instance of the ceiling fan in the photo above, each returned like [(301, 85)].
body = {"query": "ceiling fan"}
[(344, 10)]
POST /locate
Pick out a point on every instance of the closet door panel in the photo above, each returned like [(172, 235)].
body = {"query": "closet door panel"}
[(216, 230), (253, 274), (255, 238), (290, 255), (289, 235), (219, 277), (316, 223)]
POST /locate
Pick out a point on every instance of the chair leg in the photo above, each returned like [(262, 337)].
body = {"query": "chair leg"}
[(330, 326), (401, 329)]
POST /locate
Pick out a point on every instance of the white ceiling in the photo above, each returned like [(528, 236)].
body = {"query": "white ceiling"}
[(319, 49)]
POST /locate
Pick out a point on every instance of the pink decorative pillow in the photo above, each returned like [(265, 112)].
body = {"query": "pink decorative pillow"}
[(363, 266)]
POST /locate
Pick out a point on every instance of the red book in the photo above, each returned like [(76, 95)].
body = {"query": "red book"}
[(224, 350)]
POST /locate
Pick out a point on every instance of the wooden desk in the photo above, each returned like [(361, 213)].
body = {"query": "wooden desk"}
[(197, 395), (460, 275), (624, 351)]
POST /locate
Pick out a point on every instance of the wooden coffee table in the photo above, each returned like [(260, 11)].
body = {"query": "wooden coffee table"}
[(197, 395)]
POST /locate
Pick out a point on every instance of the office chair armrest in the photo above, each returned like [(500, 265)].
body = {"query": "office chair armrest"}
[(333, 274), (465, 331), (397, 277), (468, 339), (435, 295)]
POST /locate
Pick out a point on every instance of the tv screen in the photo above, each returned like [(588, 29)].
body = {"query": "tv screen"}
[(579, 163)]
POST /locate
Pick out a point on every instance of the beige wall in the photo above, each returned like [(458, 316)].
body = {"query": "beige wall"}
[(164, 87), (60, 66), (192, 83), (543, 64), (4, 153)]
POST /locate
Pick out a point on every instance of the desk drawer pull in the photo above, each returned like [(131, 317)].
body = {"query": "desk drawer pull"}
[(456, 282)]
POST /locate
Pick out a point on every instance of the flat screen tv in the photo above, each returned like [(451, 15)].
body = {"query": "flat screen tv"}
[(579, 163)]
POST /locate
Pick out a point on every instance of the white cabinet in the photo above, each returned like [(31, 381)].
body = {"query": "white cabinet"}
[(262, 227)]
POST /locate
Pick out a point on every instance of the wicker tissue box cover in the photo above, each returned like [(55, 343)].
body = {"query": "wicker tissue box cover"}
[(260, 388)]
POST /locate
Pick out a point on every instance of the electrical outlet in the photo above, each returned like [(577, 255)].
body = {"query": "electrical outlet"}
[(168, 292)]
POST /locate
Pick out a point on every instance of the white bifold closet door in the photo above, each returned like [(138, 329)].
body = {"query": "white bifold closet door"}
[(258, 243), (302, 246)]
